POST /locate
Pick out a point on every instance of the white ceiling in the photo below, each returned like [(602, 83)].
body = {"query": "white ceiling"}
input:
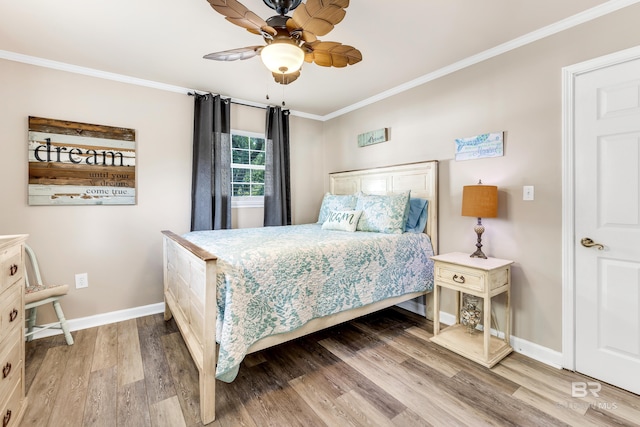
[(164, 40)]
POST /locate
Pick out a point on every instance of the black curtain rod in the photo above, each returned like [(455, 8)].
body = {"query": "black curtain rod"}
[(247, 105), (232, 101)]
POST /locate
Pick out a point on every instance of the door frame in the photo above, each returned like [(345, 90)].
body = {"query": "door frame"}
[(569, 75)]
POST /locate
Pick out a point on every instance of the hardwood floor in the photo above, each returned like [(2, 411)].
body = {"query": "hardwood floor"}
[(380, 370)]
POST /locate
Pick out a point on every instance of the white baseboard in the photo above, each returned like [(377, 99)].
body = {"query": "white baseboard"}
[(415, 307), (529, 349), (104, 319), (535, 351)]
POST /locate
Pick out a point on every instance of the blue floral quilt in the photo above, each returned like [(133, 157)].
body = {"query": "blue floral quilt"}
[(275, 279)]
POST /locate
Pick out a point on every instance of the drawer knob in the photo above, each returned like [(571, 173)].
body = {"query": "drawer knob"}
[(6, 370), (458, 279), (13, 269), (7, 418), (13, 315)]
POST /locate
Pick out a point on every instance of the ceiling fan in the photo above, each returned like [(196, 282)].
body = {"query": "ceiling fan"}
[(289, 40)]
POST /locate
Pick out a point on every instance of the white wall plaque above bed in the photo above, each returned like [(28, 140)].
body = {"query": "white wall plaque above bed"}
[(480, 146)]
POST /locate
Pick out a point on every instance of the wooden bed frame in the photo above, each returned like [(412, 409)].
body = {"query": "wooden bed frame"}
[(190, 274)]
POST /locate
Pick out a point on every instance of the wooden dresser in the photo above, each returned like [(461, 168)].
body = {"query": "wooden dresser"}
[(12, 396)]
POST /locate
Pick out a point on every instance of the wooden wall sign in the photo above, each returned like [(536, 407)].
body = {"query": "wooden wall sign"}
[(80, 164)]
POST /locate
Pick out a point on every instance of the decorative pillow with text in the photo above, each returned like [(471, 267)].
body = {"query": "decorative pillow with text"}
[(342, 220), (335, 202)]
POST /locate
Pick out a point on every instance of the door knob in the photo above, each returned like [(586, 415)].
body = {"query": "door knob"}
[(588, 243)]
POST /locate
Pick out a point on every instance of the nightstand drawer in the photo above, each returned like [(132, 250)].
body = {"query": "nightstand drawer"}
[(461, 277)]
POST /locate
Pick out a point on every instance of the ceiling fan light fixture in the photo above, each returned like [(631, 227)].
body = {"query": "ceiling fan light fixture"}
[(282, 57)]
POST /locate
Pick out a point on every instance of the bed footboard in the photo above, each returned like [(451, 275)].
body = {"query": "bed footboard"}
[(190, 298)]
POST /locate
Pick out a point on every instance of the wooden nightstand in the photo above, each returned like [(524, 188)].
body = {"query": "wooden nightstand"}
[(484, 278)]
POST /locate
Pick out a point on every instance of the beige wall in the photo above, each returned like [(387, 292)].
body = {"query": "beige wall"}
[(119, 247), (518, 93), (307, 169)]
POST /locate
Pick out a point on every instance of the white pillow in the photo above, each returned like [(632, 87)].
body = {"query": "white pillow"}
[(342, 220)]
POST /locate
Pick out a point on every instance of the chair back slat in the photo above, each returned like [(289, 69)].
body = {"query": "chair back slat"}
[(33, 260)]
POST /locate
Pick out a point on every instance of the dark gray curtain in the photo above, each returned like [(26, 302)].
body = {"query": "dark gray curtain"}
[(211, 182), (277, 190)]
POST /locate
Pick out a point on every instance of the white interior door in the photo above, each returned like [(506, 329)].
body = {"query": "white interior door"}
[(607, 211)]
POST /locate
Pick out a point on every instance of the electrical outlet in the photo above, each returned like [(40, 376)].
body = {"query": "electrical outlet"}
[(527, 192), (82, 280)]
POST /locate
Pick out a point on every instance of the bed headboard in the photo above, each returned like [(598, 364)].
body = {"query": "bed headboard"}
[(421, 178)]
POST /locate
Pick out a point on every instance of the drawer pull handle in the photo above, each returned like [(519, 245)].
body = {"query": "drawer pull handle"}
[(7, 417), (6, 370), (13, 315), (458, 279), (13, 269)]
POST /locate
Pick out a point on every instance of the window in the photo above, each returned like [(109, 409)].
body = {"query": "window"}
[(247, 169)]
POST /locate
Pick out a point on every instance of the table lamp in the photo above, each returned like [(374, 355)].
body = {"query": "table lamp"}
[(480, 201)]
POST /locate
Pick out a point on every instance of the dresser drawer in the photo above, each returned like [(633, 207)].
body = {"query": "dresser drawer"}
[(460, 276), (10, 362), (11, 311), (12, 409), (11, 266)]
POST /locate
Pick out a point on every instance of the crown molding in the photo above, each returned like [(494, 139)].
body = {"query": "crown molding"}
[(580, 18), (92, 72), (575, 20)]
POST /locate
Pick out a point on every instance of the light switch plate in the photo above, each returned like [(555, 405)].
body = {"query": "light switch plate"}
[(527, 192)]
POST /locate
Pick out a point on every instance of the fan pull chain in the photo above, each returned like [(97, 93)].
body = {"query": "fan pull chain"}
[(283, 85), (266, 85)]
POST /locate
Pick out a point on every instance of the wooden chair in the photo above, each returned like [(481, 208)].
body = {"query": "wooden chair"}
[(37, 294)]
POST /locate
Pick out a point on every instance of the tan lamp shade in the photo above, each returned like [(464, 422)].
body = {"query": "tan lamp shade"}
[(480, 201)]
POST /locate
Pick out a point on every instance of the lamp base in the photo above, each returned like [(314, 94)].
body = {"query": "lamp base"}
[(479, 229), (478, 254)]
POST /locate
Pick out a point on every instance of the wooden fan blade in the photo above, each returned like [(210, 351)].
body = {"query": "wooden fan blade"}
[(320, 16), (333, 54), (296, 31), (236, 13), (285, 79), (235, 54)]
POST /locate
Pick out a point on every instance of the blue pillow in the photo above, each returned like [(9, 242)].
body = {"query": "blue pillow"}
[(418, 209)]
